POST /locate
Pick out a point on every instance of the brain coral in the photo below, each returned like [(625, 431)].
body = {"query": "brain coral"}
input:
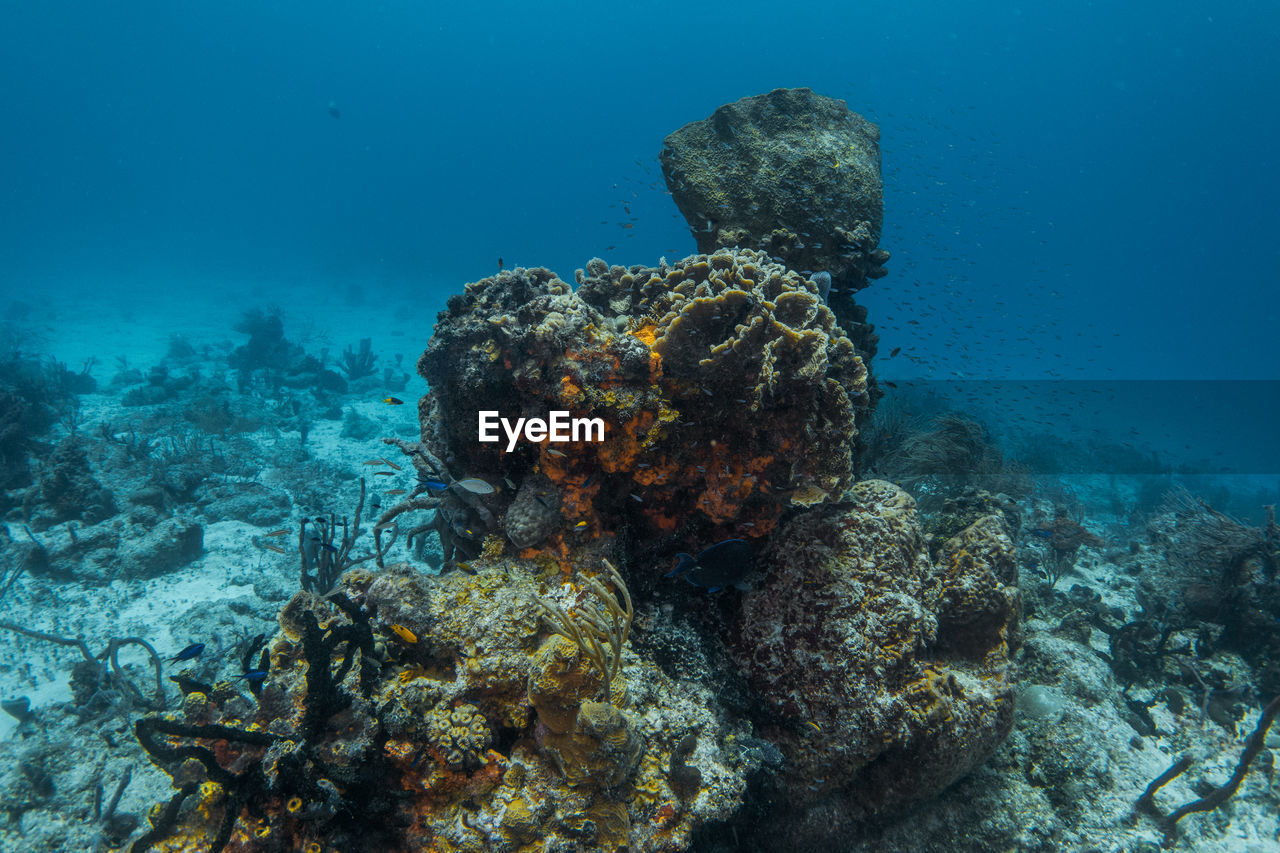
[(727, 390), (461, 734), (842, 643)]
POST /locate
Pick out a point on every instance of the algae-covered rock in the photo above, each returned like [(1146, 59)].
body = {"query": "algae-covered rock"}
[(535, 513), (170, 545), (842, 641), (791, 172), (559, 680)]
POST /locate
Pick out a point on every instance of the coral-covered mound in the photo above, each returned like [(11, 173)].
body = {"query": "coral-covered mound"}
[(791, 172), (432, 738), (727, 391), (501, 705), (884, 674)]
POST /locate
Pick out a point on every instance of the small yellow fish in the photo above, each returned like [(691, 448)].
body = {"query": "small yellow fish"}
[(393, 401), (394, 492), (267, 546), (580, 525), (815, 725), (404, 634), (281, 532), (393, 465)]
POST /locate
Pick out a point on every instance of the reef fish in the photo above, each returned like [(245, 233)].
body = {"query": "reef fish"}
[(723, 564), (191, 651), (254, 678), (475, 485), (393, 401), (403, 633)]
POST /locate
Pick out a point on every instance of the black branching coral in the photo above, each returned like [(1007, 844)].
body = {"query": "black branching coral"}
[(278, 782), (1215, 797)]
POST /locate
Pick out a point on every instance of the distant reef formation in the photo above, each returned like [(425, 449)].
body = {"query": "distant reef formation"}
[(551, 690)]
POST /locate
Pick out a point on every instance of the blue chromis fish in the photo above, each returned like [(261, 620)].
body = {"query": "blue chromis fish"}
[(723, 564), (189, 653), (328, 546), (254, 679)]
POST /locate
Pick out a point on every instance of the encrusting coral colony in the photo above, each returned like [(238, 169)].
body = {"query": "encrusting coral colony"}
[(510, 703)]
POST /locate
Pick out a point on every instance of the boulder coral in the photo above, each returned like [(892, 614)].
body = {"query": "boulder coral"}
[(844, 644)]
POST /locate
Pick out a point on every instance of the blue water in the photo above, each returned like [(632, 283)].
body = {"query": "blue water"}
[(1081, 188)]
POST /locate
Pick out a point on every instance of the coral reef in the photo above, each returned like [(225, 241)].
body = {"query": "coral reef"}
[(886, 677), (361, 740), (359, 363), (1223, 575), (460, 735), (794, 174), (535, 513), (940, 460), (503, 704), (68, 489), (727, 391), (280, 362)]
